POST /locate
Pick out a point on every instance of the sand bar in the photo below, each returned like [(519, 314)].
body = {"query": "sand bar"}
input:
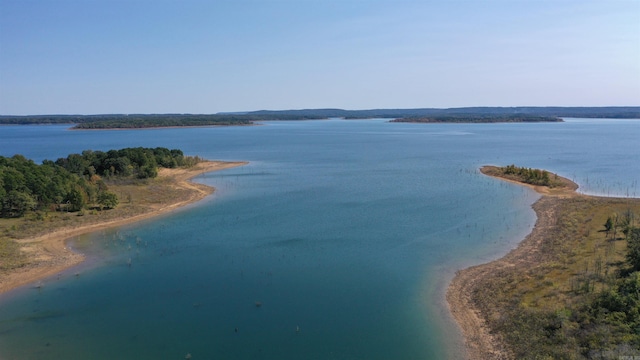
[(51, 253)]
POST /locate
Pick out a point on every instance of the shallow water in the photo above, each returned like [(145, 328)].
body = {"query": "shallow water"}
[(346, 233)]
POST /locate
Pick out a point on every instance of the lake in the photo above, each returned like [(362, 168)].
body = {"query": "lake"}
[(346, 232)]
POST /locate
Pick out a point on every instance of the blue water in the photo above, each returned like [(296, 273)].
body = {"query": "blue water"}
[(346, 232)]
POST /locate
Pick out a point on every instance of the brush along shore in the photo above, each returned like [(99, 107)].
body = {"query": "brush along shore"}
[(570, 290)]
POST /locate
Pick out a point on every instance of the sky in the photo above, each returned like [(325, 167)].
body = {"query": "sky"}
[(192, 56)]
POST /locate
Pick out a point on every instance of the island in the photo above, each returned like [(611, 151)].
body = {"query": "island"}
[(570, 290), (479, 118), (84, 193)]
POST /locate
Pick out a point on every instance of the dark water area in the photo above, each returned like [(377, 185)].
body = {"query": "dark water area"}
[(337, 241)]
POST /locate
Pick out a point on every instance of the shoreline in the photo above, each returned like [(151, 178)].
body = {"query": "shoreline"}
[(400, 120), (479, 342), (54, 256), (73, 128)]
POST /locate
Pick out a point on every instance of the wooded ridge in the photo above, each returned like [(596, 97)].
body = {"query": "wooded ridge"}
[(467, 114)]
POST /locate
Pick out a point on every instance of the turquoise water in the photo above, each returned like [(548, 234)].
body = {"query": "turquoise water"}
[(346, 232)]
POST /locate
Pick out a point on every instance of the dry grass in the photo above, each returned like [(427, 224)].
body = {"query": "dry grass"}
[(583, 258), (574, 262)]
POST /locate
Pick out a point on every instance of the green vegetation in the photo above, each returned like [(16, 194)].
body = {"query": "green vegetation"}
[(149, 121), (125, 197), (578, 295), (469, 114), (138, 121), (76, 182), (528, 176), (479, 118), (619, 112)]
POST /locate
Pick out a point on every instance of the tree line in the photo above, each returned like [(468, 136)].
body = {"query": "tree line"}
[(622, 112), (464, 114), (77, 181), (528, 175), (138, 121), (478, 118)]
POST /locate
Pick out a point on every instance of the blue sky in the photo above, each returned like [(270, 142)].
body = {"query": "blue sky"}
[(187, 56)]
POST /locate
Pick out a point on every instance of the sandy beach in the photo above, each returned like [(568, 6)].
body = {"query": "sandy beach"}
[(50, 253), (480, 343)]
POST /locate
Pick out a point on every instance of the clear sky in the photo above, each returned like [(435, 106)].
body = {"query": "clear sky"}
[(188, 56)]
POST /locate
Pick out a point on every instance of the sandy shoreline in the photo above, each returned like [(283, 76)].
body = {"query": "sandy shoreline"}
[(54, 256), (479, 342)]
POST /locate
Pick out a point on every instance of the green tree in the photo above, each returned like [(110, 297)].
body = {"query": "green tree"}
[(148, 171), (3, 192), (633, 248), (13, 180), (75, 163), (76, 199), (608, 225), (16, 203), (107, 200)]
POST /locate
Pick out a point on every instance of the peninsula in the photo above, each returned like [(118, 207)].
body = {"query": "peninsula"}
[(569, 290), (34, 247)]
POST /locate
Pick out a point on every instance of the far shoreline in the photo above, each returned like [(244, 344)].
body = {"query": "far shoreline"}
[(73, 128), (61, 257)]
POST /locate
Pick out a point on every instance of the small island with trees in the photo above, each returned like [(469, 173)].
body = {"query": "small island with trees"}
[(529, 176)]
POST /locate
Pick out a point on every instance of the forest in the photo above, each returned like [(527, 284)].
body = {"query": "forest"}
[(465, 114), (615, 112), (138, 121), (78, 181), (475, 118)]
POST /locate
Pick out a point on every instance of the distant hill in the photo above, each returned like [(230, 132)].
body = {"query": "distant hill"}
[(614, 112), (482, 118), (466, 114)]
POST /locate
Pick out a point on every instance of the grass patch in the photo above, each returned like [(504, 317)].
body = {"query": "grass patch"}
[(10, 255)]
